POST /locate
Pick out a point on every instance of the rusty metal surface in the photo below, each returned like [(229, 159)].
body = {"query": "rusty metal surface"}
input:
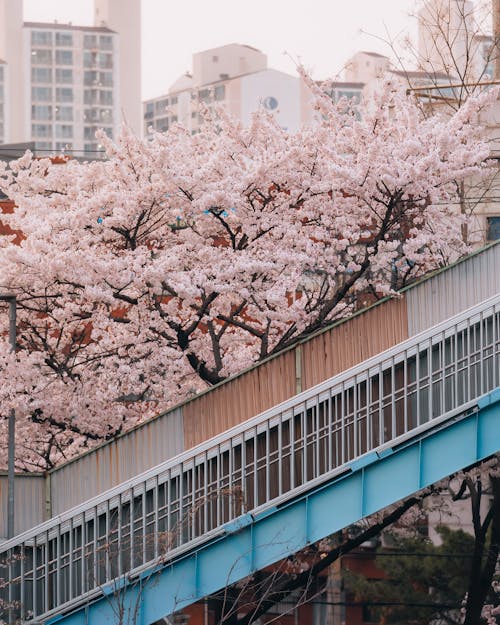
[(239, 399), (353, 341), (29, 492), (269, 383), (116, 461)]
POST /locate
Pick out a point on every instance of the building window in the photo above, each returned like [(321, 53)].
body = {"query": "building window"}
[(64, 113), (43, 146), (64, 57), (90, 78), (90, 41), (90, 115), (204, 95), (41, 94), (41, 112), (106, 116), (89, 132), (41, 130), (106, 79), (99, 79), (63, 146), (92, 147), (349, 95), (64, 131), (90, 96), (161, 106), (64, 94), (64, 76), (1, 72), (41, 57), (173, 100), (219, 93), (64, 39), (105, 60), (161, 124), (106, 98), (41, 74), (493, 228), (106, 42), (89, 59), (41, 38)]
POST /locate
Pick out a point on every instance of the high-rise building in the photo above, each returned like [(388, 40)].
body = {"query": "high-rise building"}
[(59, 83)]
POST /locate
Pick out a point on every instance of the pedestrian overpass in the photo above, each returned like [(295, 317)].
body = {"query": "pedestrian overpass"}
[(263, 490)]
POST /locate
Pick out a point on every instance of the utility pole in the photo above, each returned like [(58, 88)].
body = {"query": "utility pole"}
[(495, 15), (11, 299)]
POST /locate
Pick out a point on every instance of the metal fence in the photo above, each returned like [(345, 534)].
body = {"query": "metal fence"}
[(271, 457)]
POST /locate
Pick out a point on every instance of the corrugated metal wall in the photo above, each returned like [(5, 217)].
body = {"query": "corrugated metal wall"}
[(29, 502), (116, 461), (454, 289), (267, 384), (239, 399), (353, 341)]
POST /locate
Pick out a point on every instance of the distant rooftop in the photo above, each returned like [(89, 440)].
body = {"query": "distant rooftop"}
[(376, 54), (422, 74), (62, 26), (220, 81), (339, 84)]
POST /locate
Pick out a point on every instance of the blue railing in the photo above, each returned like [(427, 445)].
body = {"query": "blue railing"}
[(266, 460)]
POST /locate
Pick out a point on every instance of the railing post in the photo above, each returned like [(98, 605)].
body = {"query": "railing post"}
[(11, 299)]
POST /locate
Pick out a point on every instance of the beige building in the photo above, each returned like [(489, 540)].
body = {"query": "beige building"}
[(238, 77), (61, 82), (451, 40)]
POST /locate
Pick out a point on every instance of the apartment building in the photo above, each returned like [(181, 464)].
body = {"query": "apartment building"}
[(59, 83), (238, 77)]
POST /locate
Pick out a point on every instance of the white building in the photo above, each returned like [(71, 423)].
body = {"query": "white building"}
[(366, 66), (61, 82), (238, 77), (450, 40)]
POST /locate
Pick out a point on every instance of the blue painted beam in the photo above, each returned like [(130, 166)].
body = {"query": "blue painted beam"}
[(256, 541)]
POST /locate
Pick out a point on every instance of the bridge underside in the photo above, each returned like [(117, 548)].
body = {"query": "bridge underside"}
[(256, 541)]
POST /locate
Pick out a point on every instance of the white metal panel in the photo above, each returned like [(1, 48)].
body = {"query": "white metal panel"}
[(29, 493), (453, 290), (116, 461)]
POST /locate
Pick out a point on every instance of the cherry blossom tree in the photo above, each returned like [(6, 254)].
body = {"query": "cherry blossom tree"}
[(178, 261)]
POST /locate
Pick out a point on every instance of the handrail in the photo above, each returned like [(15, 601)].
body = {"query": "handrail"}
[(302, 441)]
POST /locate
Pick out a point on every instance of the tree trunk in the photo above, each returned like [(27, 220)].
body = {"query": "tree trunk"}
[(484, 560)]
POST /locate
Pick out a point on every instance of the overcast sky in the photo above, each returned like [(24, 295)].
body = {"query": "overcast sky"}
[(322, 34)]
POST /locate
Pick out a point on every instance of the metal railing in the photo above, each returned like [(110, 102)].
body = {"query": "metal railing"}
[(290, 448)]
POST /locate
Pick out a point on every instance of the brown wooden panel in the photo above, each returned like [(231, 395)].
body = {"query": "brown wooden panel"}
[(237, 400), (353, 341)]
